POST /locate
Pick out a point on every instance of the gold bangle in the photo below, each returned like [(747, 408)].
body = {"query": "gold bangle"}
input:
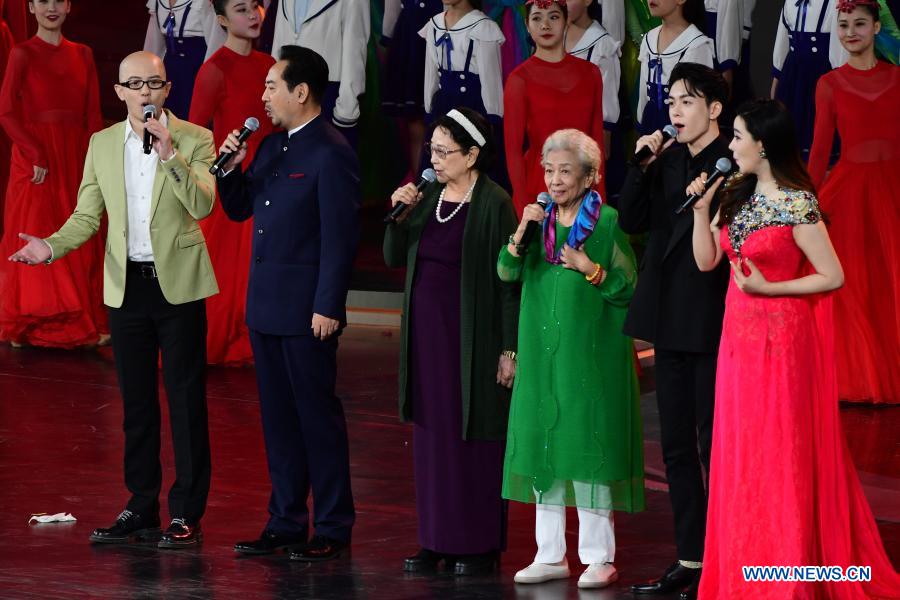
[(598, 278), (509, 354), (590, 277)]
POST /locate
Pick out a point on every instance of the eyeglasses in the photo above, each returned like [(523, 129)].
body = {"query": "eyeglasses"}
[(137, 84), (440, 151)]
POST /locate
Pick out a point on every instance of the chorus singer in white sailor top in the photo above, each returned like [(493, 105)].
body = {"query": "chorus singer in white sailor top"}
[(183, 33), (338, 30)]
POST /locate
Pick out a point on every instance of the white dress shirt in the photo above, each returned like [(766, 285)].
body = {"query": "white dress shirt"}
[(140, 174)]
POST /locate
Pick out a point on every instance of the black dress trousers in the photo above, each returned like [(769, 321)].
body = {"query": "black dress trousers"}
[(144, 328)]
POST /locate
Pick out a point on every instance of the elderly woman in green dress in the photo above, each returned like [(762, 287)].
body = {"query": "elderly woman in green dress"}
[(574, 435)]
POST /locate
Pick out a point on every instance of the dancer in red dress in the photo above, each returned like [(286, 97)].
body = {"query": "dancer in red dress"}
[(550, 91), (228, 91), (783, 489), (861, 196), (12, 31), (49, 107)]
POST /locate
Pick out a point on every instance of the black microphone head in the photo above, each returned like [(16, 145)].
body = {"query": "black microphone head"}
[(149, 111), (429, 175), (669, 131), (723, 166), (252, 123), (544, 199)]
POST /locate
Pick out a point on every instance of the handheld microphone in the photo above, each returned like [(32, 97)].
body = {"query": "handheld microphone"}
[(668, 132), (427, 176), (531, 229), (250, 125), (149, 111), (723, 167)]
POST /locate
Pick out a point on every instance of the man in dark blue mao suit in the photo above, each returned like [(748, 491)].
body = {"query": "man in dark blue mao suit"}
[(302, 190)]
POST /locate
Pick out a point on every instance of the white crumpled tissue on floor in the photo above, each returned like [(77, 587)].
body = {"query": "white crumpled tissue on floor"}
[(57, 518)]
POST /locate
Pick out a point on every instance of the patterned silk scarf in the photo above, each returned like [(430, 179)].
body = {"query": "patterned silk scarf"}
[(582, 228)]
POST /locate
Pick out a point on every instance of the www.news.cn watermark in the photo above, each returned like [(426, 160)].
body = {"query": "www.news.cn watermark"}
[(808, 573)]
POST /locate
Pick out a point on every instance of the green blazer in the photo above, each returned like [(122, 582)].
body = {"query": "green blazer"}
[(485, 332), (183, 193)]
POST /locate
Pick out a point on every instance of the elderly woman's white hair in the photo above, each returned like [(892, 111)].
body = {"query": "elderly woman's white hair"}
[(580, 144)]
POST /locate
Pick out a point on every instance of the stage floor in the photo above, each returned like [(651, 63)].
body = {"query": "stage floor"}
[(61, 451)]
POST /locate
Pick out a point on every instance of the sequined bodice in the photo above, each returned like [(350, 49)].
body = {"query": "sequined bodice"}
[(762, 231)]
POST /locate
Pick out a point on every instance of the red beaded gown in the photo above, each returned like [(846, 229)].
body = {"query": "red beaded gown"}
[(539, 98), (861, 197), (783, 489), (12, 30), (227, 91), (49, 107)]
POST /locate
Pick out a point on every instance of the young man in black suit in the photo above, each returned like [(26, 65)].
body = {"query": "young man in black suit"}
[(302, 190), (678, 308)]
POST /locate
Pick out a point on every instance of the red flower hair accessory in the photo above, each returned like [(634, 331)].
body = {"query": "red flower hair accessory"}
[(847, 6), (545, 4)]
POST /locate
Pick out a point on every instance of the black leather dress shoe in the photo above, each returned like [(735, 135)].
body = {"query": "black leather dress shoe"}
[(477, 564), (270, 542), (690, 592), (181, 534), (677, 577), (129, 527), (426, 560), (320, 548)]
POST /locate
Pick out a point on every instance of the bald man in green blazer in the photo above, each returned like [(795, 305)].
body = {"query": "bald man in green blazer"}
[(157, 274)]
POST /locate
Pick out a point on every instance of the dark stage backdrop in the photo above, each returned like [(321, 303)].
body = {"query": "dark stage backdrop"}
[(113, 29)]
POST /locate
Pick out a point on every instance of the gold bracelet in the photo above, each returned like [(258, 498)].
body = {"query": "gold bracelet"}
[(511, 355), (598, 277), (590, 278)]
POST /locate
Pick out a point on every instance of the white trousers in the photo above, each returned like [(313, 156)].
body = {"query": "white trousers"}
[(596, 532)]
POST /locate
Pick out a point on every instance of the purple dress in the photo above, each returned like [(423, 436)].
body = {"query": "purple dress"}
[(457, 482)]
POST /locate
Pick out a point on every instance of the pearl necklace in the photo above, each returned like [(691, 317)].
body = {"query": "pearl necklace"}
[(437, 209)]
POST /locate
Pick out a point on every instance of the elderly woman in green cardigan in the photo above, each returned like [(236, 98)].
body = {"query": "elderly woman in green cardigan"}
[(574, 434), (458, 346)]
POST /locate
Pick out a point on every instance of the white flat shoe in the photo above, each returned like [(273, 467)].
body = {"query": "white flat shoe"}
[(541, 572), (598, 575)]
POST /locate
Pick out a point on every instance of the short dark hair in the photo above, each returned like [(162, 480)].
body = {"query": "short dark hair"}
[(219, 6), (701, 81), (304, 66), (465, 140)]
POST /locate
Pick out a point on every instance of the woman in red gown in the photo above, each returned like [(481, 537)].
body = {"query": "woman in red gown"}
[(228, 90), (12, 31), (783, 489), (550, 91), (49, 107), (861, 197)]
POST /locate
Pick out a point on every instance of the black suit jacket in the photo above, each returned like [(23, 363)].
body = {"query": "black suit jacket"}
[(303, 194), (675, 305)]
